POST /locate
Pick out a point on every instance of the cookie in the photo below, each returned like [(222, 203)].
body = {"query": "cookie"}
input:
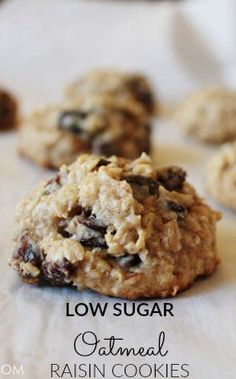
[(118, 227), (209, 115), (52, 136), (221, 175), (131, 90), (8, 110)]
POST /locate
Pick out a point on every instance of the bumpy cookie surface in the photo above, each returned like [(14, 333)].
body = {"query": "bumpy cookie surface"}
[(52, 137), (118, 227), (209, 115), (8, 110), (221, 175), (130, 90)]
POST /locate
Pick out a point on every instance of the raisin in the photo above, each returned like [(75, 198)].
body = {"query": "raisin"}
[(28, 251), (89, 220), (85, 217), (8, 110), (57, 273), (102, 162), (76, 210), (94, 242), (141, 92), (172, 178), (62, 224), (145, 98), (143, 180), (179, 209), (71, 121), (128, 261)]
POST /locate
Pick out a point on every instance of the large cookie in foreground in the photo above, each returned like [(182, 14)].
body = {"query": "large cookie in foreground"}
[(118, 227)]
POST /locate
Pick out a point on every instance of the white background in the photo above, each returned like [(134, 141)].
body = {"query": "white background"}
[(181, 45)]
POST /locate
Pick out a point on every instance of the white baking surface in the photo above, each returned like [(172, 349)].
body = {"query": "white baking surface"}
[(181, 46)]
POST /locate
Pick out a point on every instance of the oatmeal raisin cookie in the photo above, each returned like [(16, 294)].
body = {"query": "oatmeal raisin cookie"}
[(52, 136), (118, 227), (221, 175), (130, 90), (209, 115)]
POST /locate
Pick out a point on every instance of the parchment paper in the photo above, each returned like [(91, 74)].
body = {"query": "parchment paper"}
[(181, 46)]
